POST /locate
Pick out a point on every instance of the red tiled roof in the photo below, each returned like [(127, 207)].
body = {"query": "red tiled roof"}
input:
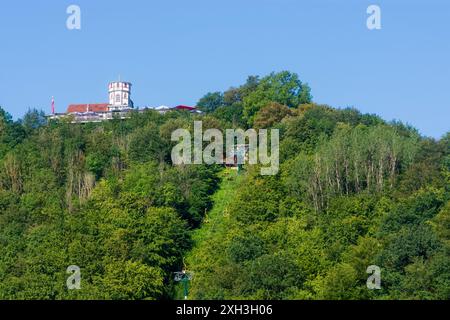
[(95, 107)]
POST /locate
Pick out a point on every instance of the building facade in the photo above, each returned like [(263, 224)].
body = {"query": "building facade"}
[(120, 96)]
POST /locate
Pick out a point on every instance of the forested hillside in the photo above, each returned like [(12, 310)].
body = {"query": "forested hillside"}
[(352, 191)]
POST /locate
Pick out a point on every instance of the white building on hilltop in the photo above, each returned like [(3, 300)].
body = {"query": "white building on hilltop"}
[(120, 96), (120, 106)]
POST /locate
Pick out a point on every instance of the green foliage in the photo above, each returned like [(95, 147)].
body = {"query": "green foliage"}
[(11, 133), (257, 201), (211, 101), (352, 191), (284, 88), (34, 119), (131, 280), (270, 115), (146, 145), (231, 116), (100, 196), (246, 247)]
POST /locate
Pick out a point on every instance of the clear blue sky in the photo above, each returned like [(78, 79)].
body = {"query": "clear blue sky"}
[(174, 51)]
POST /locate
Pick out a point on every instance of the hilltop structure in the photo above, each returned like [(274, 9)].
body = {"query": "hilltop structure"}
[(120, 106), (120, 96)]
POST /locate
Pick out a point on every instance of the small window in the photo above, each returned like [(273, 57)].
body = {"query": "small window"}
[(118, 98)]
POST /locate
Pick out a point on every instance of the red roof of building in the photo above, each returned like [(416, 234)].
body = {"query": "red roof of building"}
[(185, 108), (95, 107)]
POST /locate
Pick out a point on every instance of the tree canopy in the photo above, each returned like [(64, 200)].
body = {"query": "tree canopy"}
[(353, 191)]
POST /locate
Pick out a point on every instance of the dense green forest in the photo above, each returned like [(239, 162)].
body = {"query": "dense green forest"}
[(353, 190)]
